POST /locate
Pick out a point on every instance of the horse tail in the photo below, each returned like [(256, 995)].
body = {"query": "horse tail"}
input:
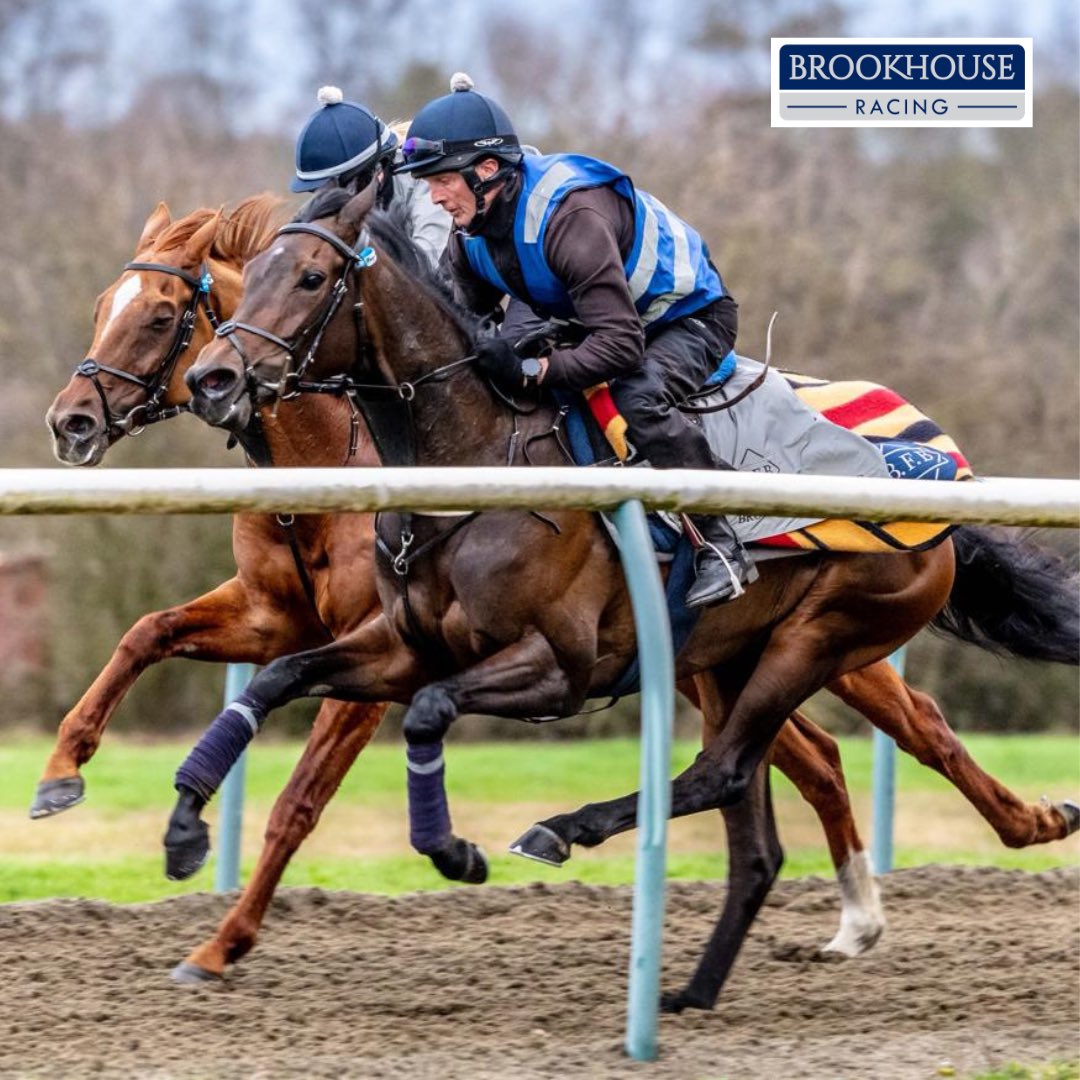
[(1012, 597)]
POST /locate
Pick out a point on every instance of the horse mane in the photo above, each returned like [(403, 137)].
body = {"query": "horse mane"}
[(179, 232), (249, 227), (390, 229), (244, 231)]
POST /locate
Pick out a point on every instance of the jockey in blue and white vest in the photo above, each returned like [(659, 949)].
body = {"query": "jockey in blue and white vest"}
[(570, 237), (667, 269)]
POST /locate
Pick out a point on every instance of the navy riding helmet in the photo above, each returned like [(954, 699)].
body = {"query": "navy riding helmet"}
[(451, 132), (339, 139)]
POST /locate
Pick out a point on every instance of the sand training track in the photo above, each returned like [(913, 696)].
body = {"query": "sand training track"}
[(978, 967)]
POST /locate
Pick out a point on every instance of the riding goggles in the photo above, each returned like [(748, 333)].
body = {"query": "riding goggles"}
[(416, 147)]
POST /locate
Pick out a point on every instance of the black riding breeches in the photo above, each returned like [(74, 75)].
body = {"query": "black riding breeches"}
[(678, 360)]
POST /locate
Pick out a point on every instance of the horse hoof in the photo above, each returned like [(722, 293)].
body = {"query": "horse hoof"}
[(1070, 811), (476, 866), (460, 860), (192, 975), (672, 1003), (55, 796), (543, 845), (855, 937), (186, 856), (677, 1003)]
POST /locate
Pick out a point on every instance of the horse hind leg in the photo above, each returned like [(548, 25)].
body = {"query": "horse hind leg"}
[(754, 860), (914, 720), (810, 758)]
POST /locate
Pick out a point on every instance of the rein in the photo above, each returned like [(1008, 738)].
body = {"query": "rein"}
[(157, 384), (691, 406)]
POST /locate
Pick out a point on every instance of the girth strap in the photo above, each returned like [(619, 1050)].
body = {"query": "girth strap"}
[(288, 523), (402, 560)]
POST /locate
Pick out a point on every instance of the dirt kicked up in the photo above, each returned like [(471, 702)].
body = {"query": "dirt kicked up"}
[(978, 967)]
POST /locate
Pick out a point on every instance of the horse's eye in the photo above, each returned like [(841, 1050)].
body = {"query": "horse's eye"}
[(162, 322), (312, 279)]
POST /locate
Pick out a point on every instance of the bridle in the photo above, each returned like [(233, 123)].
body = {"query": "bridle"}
[(156, 385), (290, 384), (388, 429)]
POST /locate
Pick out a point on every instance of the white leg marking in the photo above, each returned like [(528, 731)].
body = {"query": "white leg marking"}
[(121, 298), (862, 920)]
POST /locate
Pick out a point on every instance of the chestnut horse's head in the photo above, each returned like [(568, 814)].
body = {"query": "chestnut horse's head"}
[(151, 322), (294, 300)]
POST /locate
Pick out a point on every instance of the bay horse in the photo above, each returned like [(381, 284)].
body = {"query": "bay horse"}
[(297, 584), (520, 614)]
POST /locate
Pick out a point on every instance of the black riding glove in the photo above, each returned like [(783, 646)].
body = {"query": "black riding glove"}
[(497, 359)]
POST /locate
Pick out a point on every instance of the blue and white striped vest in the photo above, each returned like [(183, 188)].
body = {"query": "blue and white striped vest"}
[(667, 268)]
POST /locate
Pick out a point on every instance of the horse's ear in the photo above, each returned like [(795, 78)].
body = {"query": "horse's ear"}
[(158, 220), (198, 247), (359, 206)]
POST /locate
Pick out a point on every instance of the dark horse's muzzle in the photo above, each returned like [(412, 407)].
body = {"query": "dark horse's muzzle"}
[(219, 394)]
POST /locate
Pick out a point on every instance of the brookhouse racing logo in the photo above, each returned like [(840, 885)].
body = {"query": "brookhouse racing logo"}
[(901, 82)]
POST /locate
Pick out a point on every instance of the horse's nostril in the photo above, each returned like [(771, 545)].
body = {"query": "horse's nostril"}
[(216, 383), (77, 425)]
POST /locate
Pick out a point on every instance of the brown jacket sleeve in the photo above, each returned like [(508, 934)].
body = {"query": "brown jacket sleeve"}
[(582, 246)]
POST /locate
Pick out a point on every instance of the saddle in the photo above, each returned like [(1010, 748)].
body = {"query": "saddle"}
[(894, 439)]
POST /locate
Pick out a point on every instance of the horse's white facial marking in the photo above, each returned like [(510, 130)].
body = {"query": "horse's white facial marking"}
[(121, 298), (279, 250)]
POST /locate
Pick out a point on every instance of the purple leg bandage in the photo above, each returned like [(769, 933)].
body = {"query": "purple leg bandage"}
[(221, 745), (429, 814)]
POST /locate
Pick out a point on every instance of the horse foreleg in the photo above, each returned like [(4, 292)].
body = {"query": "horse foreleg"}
[(524, 679), (754, 861), (226, 624), (914, 720), (340, 732), (370, 664)]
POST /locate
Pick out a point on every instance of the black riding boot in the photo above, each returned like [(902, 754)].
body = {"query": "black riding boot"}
[(721, 566)]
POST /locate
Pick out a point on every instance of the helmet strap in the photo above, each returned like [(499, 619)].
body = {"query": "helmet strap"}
[(385, 191), (481, 187)]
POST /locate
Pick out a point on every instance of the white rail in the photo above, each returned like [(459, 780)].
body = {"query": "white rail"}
[(199, 491)]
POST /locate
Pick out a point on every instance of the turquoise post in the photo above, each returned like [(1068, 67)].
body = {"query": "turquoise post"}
[(231, 812), (881, 845), (654, 806)]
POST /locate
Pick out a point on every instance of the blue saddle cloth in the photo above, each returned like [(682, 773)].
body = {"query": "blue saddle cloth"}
[(683, 619)]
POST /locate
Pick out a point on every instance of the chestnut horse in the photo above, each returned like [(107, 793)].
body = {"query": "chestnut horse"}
[(150, 325), (519, 614)]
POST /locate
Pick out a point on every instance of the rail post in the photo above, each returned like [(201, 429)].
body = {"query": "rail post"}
[(653, 630), (231, 813), (884, 784)]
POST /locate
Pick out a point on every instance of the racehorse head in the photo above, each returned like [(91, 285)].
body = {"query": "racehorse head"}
[(340, 293), (296, 294), (150, 323)]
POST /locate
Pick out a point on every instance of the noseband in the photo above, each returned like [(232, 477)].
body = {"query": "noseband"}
[(158, 383)]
